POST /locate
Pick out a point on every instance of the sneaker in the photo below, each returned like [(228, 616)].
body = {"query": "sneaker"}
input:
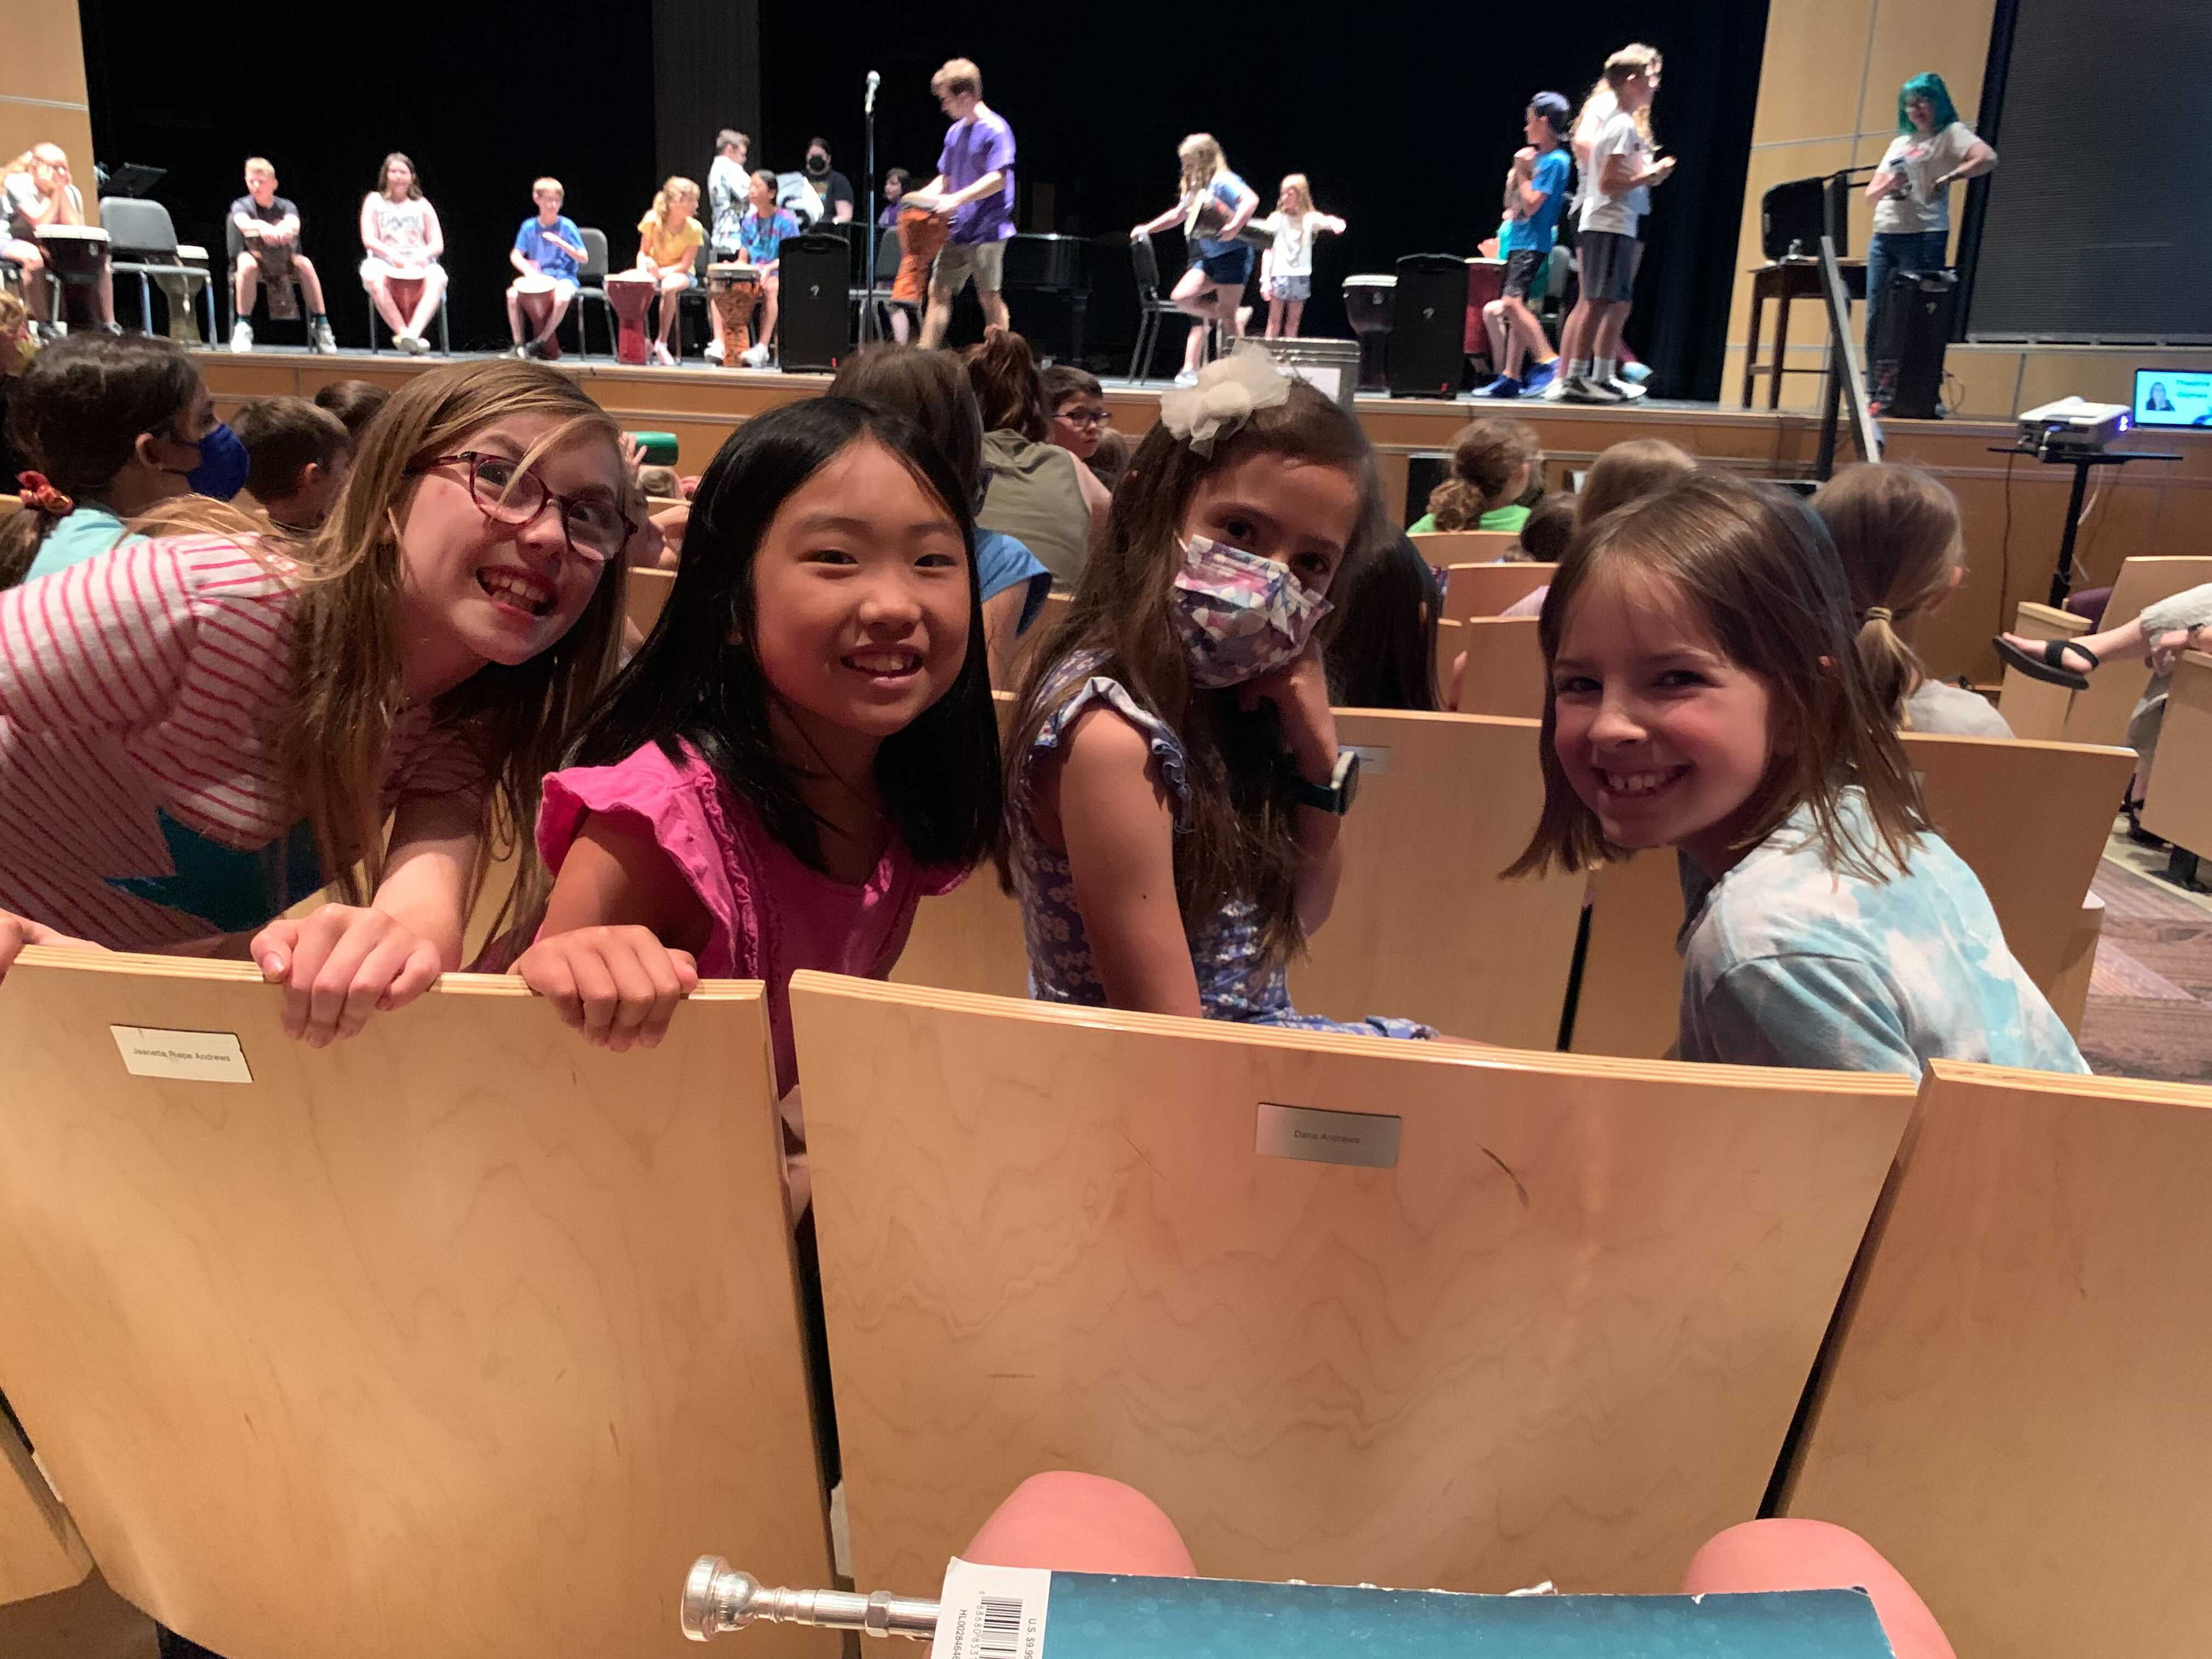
[(1635, 373), (1629, 391), (1542, 377), (241, 337), (755, 356), (1505, 385), (1188, 377), (320, 339), (1555, 389), (662, 356), (522, 351), (1581, 389), (714, 351)]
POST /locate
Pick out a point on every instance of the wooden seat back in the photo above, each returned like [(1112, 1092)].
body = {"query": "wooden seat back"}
[(40, 1550), (2034, 709), (1424, 927), (970, 939), (2014, 1405), (2177, 802), (429, 1342), (1561, 1335), (1485, 590), (646, 596), (1446, 548), (2029, 819), (1504, 667)]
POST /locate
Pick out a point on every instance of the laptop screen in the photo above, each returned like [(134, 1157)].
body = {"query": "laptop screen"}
[(2173, 397)]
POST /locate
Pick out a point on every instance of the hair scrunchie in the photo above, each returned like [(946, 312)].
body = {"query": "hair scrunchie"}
[(34, 491), (1880, 613)]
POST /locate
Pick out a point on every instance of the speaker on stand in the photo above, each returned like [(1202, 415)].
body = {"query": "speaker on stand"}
[(1916, 327), (814, 302), (1428, 320)]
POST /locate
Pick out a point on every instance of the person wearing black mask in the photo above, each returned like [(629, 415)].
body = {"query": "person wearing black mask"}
[(835, 189)]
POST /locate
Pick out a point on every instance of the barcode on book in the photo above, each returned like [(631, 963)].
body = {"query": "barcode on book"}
[(999, 1627), (992, 1613)]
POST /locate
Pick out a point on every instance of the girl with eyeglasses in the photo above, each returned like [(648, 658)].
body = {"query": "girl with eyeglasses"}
[(199, 730)]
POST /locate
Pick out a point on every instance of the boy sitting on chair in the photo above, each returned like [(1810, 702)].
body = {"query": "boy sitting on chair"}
[(266, 220), (297, 457), (548, 245)]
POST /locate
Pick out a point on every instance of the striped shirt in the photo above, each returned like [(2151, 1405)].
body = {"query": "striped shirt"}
[(143, 700)]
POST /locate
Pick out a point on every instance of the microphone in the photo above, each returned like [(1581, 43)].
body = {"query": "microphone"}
[(874, 81)]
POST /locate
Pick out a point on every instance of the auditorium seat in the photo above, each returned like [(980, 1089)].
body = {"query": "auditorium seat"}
[(1449, 646), (1562, 1336), (2177, 800), (645, 594), (1446, 548), (40, 1550), (1424, 927), (2035, 866), (1485, 590), (2034, 709), (2013, 1408), (1504, 667), (456, 1337)]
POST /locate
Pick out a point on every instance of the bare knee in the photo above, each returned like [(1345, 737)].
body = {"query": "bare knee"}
[(1792, 1553), (1081, 1523)]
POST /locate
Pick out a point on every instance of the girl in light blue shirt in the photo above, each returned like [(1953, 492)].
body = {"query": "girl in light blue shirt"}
[(1705, 693)]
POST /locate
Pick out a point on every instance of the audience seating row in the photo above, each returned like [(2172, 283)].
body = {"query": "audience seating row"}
[(463, 1337), (2036, 708)]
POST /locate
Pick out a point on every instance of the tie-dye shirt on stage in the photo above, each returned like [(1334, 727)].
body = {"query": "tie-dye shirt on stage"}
[(1788, 961)]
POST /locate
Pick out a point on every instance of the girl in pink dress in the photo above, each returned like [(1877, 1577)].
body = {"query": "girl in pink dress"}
[(803, 750)]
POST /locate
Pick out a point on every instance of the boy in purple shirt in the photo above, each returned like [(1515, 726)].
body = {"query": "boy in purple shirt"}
[(974, 189)]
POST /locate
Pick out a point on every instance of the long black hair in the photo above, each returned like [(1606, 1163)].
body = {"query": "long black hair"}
[(1384, 653), (698, 677)]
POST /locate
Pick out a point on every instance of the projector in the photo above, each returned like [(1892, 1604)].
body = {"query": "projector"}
[(2072, 427)]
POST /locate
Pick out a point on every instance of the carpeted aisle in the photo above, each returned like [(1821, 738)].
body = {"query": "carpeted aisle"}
[(2150, 995)]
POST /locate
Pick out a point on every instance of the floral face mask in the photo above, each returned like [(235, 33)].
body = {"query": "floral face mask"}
[(1240, 616)]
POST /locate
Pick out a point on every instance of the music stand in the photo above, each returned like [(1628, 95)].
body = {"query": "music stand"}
[(131, 178)]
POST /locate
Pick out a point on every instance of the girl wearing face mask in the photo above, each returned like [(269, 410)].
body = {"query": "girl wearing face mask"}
[(1176, 788), (110, 425), (198, 731)]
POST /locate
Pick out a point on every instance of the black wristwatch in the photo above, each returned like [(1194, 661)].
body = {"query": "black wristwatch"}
[(1335, 796)]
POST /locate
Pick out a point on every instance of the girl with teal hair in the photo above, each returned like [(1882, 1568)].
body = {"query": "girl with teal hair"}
[(1910, 193)]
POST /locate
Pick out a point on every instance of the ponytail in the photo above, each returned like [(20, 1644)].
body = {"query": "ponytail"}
[(23, 533), (1893, 668), (1896, 530)]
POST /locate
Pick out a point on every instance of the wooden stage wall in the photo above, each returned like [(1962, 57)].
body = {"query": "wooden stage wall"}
[(2014, 507)]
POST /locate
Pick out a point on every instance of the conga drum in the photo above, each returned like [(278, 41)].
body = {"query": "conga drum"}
[(922, 236), (275, 259), (630, 294), (406, 292), (734, 291), (1486, 280), (78, 257), (183, 293), (1367, 301), (533, 296)]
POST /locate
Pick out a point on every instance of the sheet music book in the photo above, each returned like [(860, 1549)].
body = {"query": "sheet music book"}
[(1027, 1612)]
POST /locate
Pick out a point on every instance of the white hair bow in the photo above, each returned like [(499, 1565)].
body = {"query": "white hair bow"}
[(1227, 392)]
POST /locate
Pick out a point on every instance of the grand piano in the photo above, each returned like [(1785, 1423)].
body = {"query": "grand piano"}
[(1052, 267)]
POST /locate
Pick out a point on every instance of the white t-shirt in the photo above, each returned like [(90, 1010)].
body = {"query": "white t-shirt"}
[(25, 204), (727, 188), (1294, 242), (1602, 211), (1954, 711), (1922, 158)]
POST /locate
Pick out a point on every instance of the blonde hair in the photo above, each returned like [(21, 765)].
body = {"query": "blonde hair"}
[(1300, 190), (1896, 530), (674, 186), (347, 660), (1201, 159), (549, 183), (1628, 471), (259, 164), (959, 75), (1633, 59)]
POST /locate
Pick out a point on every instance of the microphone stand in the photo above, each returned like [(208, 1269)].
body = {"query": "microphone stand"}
[(868, 236)]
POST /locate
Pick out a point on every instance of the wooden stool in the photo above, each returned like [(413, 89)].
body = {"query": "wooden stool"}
[(1784, 282)]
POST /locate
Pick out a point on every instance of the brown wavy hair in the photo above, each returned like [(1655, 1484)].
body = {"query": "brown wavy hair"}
[(1896, 530), (1757, 568), (1004, 372), (1240, 841), (345, 639), (1485, 460)]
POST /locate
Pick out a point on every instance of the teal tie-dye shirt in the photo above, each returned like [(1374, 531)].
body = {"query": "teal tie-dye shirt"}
[(1789, 962)]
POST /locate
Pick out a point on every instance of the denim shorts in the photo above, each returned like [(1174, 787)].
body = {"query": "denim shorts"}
[(1230, 267), (1290, 287)]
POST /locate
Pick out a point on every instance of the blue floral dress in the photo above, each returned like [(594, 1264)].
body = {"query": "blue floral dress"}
[(1233, 982)]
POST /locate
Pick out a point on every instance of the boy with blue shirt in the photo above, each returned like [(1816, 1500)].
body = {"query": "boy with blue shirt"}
[(548, 245), (1535, 194)]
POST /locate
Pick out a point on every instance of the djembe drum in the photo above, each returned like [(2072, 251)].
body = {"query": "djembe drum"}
[(1367, 302), (182, 293), (630, 294), (78, 257), (406, 291), (922, 236), (734, 291), (533, 297), (275, 259), (1486, 280)]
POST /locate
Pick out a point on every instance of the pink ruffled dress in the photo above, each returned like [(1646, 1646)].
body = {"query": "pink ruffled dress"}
[(772, 916)]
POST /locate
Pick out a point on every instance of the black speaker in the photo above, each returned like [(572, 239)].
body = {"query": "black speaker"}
[(1428, 326), (1916, 327), (815, 306)]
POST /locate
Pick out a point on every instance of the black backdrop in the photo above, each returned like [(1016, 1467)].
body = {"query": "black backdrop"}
[(1403, 115)]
